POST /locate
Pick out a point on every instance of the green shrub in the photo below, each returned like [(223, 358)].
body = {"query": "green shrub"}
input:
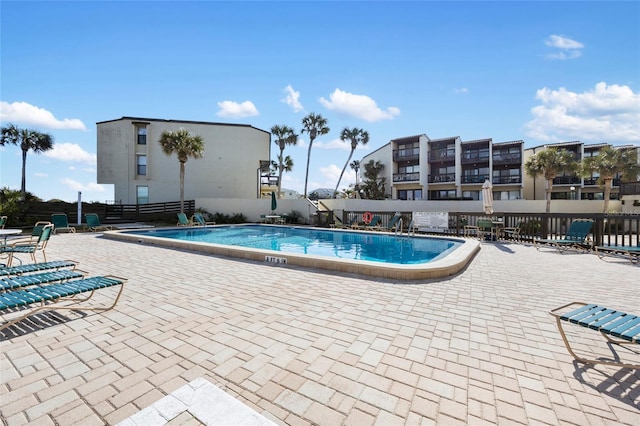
[(531, 227), (221, 218)]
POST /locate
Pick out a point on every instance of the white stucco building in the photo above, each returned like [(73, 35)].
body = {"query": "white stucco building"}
[(131, 158)]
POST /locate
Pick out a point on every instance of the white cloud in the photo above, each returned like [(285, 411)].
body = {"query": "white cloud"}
[(40, 174), (359, 106), (331, 173), (292, 99), (71, 152), (77, 186), (333, 144), (563, 42), (462, 90), (230, 109), (569, 49), (604, 114), (22, 112)]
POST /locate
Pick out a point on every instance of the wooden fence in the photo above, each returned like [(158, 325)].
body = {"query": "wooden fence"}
[(109, 213)]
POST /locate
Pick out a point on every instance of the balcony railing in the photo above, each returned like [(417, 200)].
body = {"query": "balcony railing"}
[(566, 180), (590, 181), (468, 158), (442, 156), (499, 159), (406, 177), (406, 154), (629, 188), (475, 179), (443, 178), (269, 180), (507, 180)]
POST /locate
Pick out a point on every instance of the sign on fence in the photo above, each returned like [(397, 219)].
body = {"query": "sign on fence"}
[(431, 221)]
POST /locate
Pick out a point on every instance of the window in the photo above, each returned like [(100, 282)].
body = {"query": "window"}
[(142, 194), (410, 194), (446, 170), (471, 195), (142, 135), (141, 165), (506, 195), (409, 169), (442, 194)]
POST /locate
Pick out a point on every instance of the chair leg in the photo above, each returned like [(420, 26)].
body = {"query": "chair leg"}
[(593, 361)]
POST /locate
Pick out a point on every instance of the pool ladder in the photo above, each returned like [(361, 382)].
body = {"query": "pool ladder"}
[(411, 229), (398, 227)]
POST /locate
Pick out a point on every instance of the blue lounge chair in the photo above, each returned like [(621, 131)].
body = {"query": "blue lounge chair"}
[(93, 223), (394, 223), (632, 253), (61, 223), (374, 224), (30, 248), (55, 265), (51, 296), (198, 220), (616, 326), (575, 237), (183, 220), (19, 281)]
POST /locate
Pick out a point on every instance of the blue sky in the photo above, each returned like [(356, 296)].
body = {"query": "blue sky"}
[(537, 71)]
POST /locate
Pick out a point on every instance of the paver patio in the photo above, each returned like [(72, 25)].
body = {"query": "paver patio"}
[(303, 347)]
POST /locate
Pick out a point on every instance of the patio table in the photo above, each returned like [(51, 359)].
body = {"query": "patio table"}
[(4, 233)]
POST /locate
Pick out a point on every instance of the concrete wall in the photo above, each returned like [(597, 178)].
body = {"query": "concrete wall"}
[(253, 208), (500, 206)]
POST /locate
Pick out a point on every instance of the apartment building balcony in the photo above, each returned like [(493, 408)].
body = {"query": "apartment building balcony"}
[(502, 159), (629, 188), (443, 178), (406, 154), (442, 156), (269, 181), (475, 179), (406, 177), (471, 158), (507, 180), (566, 180), (593, 181)]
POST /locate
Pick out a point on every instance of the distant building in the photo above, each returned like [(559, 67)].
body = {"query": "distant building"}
[(131, 158), (571, 186), (420, 168)]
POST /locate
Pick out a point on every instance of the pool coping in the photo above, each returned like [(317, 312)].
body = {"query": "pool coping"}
[(449, 265)]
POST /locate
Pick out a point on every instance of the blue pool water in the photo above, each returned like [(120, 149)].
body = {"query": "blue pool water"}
[(374, 247)]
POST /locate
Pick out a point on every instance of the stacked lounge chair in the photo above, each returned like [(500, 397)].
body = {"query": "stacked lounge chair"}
[(55, 285)]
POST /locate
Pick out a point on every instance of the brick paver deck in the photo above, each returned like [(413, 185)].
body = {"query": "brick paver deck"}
[(306, 347)]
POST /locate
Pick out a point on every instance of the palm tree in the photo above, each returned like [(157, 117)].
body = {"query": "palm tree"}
[(374, 185), (315, 125), (549, 163), (29, 140), (607, 164), (285, 136), (355, 166), (184, 145), (355, 136), (282, 165)]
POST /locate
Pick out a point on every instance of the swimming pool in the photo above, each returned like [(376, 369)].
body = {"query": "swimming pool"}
[(369, 253)]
